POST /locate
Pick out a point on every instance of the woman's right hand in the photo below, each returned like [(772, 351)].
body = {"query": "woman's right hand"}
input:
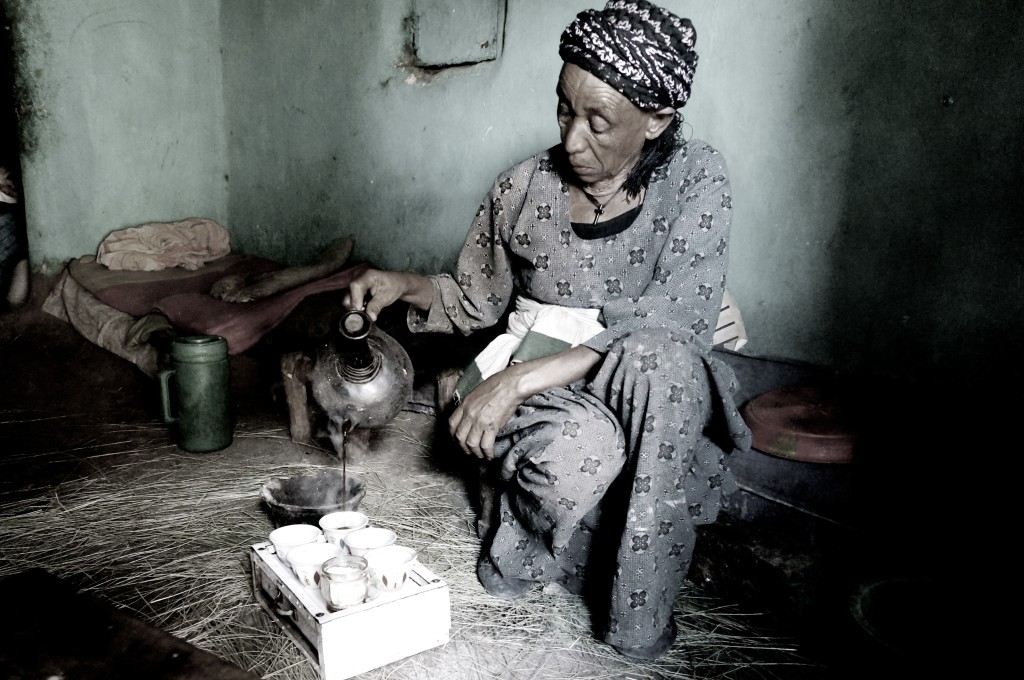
[(374, 289)]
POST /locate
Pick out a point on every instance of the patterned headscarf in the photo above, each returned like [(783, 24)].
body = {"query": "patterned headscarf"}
[(642, 50)]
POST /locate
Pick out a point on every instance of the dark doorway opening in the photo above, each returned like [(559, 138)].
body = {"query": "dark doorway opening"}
[(13, 236)]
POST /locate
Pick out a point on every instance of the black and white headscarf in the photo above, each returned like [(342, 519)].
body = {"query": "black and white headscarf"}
[(640, 49)]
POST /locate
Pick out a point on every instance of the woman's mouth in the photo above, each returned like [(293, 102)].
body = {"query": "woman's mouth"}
[(580, 170)]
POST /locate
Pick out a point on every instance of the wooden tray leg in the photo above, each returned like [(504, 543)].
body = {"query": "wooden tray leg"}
[(295, 368)]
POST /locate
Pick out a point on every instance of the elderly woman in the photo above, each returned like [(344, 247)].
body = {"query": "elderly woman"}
[(602, 409)]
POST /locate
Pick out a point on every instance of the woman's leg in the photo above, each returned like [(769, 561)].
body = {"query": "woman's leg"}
[(556, 459), (658, 385), (643, 416)]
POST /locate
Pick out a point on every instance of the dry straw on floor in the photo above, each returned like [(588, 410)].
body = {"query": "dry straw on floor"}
[(165, 535)]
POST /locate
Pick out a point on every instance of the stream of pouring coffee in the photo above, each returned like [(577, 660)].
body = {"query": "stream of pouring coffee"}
[(338, 432)]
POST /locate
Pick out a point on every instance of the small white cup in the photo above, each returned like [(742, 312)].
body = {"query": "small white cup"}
[(390, 565), (293, 535), (363, 540), (307, 559), (337, 525)]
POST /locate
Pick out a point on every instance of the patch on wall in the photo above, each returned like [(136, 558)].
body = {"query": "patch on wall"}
[(456, 32)]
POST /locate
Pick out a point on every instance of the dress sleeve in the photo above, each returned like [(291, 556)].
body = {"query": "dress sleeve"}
[(479, 288), (685, 293)]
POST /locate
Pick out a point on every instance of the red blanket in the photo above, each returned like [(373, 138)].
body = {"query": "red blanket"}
[(182, 296)]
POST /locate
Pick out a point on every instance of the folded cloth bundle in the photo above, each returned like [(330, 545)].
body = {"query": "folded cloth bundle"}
[(534, 330), (188, 244)]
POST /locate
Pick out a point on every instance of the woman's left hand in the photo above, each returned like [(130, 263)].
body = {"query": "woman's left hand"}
[(484, 411)]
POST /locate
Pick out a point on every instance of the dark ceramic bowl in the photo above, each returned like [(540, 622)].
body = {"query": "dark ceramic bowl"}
[(306, 497)]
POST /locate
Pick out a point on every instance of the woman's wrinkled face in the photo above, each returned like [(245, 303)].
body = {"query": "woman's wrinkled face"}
[(603, 132)]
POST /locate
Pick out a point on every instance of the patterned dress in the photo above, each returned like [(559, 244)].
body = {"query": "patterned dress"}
[(603, 483)]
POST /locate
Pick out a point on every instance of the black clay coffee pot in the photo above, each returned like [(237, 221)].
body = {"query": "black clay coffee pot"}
[(362, 377)]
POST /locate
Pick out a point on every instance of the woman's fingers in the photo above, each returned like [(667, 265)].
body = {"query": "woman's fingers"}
[(372, 291), (481, 415), (473, 436), (376, 304), (357, 290)]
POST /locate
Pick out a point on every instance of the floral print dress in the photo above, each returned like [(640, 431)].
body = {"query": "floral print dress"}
[(603, 483)]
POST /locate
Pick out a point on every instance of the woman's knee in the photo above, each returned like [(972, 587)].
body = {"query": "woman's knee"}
[(655, 360), (568, 434), (651, 371), (658, 347)]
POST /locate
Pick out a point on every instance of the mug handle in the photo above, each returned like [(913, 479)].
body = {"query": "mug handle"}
[(165, 393)]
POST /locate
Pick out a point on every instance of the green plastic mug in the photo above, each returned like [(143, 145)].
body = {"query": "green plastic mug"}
[(195, 393)]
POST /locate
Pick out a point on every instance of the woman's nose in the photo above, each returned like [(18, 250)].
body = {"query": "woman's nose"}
[(574, 136)]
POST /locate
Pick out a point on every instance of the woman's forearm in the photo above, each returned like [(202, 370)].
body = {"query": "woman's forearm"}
[(419, 291), (556, 370)]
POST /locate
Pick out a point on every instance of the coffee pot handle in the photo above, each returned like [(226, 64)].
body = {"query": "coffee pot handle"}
[(165, 393)]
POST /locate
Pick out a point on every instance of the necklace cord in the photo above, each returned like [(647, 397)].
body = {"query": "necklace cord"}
[(598, 206)]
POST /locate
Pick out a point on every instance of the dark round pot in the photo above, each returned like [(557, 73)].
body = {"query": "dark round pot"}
[(305, 498)]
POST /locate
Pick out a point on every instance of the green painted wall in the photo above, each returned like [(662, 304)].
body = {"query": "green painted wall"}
[(330, 134), (875, 148), (880, 149), (122, 117)]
